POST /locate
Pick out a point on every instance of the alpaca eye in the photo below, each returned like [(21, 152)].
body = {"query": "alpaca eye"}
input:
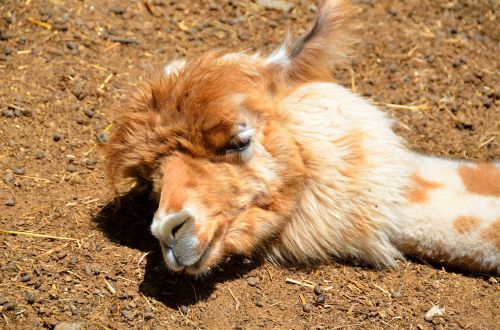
[(238, 145)]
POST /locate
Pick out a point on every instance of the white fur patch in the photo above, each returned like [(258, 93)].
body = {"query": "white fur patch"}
[(174, 67), (163, 224), (279, 56)]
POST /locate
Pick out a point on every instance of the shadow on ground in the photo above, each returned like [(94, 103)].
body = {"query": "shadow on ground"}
[(126, 221)]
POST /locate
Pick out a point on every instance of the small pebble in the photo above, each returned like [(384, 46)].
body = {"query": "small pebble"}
[(78, 91), (118, 10), (252, 281), (279, 5), (89, 113), (73, 260), (3, 300), (69, 326), (395, 294), (37, 284), (128, 315), (317, 290), (71, 45), (7, 51), (244, 36), (259, 303), (30, 298), (57, 137), (39, 155), (4, 35), (19, 170), (8, 113), (392, 12), (71, 169), (102, 137), (125, 296), (433, 312), (320, 299), (61, 255), (10, 306), (306, 308), (9, 177), (184, 309), (59, 26), (90, 162), (26, 278), (148, 309), (27, 112), (11, 201)]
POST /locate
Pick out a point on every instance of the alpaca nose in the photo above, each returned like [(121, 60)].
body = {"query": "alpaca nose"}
[(166, 226)]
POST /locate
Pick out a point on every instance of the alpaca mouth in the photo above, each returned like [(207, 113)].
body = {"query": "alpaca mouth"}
[(200, 265), (177, 264)]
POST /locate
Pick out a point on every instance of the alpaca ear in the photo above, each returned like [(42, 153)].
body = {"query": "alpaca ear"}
[(133, 148), (311, 57), (127, 153), (174, 67)]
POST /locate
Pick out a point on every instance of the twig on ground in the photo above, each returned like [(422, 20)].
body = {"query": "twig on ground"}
[(33, 178), (109, 287), (235, 299), (486, 142), (49, 252), (407, 107), (292, 281), (25, 233), (45, 25), (125, 41)]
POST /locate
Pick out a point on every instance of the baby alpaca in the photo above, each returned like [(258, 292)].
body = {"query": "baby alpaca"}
[(247, 153)]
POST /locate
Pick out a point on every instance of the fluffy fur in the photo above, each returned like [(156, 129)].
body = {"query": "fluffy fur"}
[(249, 153)]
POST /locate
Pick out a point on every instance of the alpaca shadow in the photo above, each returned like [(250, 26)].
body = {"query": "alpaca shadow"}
[(126, 221)]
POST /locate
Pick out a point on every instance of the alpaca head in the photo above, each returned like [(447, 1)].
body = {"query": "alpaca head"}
[(209, 137)]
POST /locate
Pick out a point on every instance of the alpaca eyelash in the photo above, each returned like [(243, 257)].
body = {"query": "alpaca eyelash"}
[(238, 145), (241, 142)]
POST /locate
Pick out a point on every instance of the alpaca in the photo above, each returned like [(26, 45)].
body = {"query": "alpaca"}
[(265, 154)]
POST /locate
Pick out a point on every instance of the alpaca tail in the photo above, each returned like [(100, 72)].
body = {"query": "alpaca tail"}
[(452, 214)]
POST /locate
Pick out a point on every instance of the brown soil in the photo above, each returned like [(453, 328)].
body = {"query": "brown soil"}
[(62, 74)]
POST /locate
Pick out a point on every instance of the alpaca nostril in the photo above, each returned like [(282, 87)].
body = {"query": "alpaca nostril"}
[(167, 227), (176, 228)]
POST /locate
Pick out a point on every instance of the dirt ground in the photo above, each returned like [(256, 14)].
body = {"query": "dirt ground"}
[(65, 66)]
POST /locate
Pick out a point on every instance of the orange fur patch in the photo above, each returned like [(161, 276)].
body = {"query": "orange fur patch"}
[(466, 224), (174, 193), (492, 233), (482, 179), (418, 191), (438, 254), (356, 159)]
